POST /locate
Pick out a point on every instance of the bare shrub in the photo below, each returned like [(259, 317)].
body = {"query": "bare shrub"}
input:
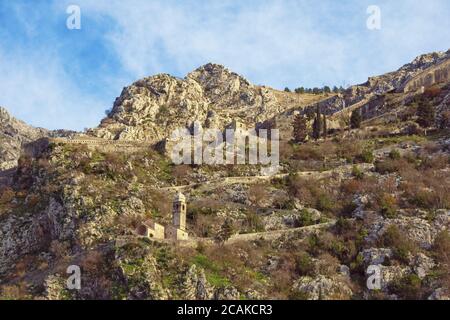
[(93, 262), (257, 193), (7, 194), (181, 173)]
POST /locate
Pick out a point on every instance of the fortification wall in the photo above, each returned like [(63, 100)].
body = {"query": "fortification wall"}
[(433, 75), (104, 145)]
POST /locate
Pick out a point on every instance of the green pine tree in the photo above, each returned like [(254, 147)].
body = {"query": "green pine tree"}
[(300, 129), (426, 114), (317, 125), (355, 120)]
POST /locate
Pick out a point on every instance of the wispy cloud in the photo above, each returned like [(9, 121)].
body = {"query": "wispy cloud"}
[(36, 88), (60, 79), (273, 42)]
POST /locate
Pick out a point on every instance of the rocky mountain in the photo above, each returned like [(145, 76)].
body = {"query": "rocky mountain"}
[(369, 97), (370, 196), (152, 107), (396, 81), (13, 135)]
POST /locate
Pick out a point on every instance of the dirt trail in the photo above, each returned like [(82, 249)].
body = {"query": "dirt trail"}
[(346, 169)]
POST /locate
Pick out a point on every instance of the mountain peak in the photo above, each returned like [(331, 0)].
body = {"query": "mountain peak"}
[(4, 114), (214, 71), (212, 68)]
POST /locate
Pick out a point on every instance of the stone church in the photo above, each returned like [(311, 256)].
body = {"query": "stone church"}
[(176, 231)]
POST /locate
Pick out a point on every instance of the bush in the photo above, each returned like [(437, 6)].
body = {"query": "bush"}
[(390, 166), (304, 265), (445, 120), (324, 203), (425, 189), (316, 152), (327, 264), (225, 232), (6, 195), (305, 219), (426, 114), (395, 154), (314, 244), (181, 174), (437, 163), (432, 92), (389, 207), (254, 223), (257, 193), (357, 173), (343, 226), (366, 156), (408, 287), (441, 247), (349, 149), (398, 241), (356, 119)]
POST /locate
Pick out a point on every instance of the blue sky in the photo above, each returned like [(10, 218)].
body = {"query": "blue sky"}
[(58, 78)]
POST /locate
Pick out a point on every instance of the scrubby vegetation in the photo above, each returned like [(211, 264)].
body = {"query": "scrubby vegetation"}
[(377, 197)]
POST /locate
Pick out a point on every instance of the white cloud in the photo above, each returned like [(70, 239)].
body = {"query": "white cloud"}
[(278, 43), (37, 90), (272, 42), (263, 40)]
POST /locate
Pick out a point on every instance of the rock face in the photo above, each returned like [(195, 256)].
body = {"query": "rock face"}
[(418, 230), (13, 135), (322, 288), (408, 78), (20, 236), (195, 286), (151, 108), (397, 79), (400, 77)]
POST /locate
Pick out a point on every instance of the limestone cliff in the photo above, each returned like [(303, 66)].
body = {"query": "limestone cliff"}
[(152, 107), (13, 134)]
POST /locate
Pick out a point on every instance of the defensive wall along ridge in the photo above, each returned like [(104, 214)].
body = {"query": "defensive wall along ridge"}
[(436, 74)]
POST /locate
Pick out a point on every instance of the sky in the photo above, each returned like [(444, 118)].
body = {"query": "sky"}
[(55, 77)]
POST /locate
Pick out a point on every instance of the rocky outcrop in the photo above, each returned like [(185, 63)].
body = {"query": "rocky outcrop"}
[(397, 80), (439, 294), (376, 256), (13, 135), (366, 96), (322, 288), (418, 230), (21, 235), (151, 108), (422, 265), (195, 286)]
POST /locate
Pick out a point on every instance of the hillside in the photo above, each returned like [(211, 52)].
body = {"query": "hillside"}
[(372, 194)]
